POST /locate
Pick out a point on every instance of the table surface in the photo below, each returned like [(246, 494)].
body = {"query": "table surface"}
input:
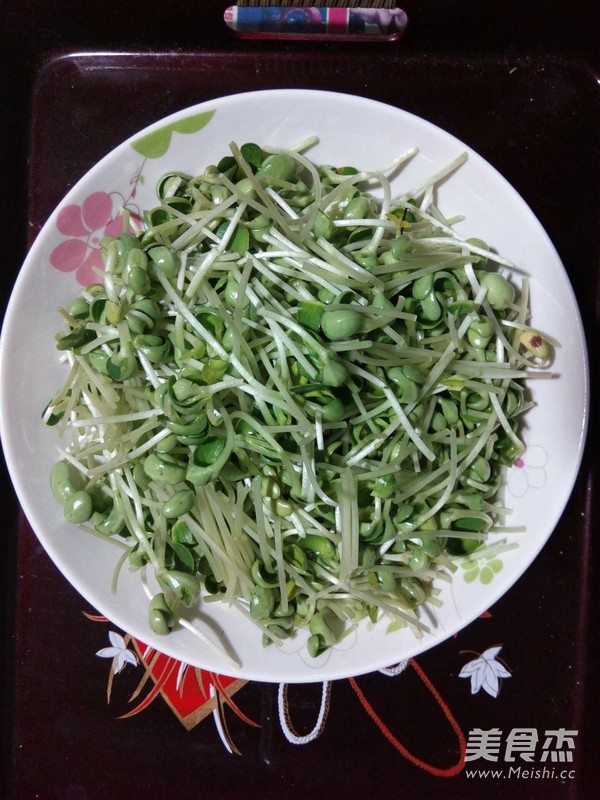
[(521, 88)]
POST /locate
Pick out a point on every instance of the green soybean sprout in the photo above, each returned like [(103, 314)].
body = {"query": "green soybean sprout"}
[(295, 393)]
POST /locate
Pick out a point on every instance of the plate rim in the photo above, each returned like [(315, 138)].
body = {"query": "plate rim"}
[(312, 674)]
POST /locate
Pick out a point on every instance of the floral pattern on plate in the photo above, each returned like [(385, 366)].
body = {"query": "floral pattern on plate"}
[(85, 225)]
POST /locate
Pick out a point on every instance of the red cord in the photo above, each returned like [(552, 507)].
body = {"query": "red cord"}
[(439, 772)]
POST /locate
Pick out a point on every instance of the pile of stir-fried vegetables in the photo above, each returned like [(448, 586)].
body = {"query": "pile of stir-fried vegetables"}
[(293, 396)]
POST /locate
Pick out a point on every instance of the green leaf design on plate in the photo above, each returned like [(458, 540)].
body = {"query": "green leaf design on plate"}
[(156, 144)]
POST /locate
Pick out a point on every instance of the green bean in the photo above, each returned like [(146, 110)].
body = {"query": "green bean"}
[(136, 258), (339, 325), (214, 370), (154, 348), (99, 361), (358, 208), (160, 616), (262, 602), (112, 523), (432, 547), (318, 546), (253, 154), (422, 287), (282, 508), (178, 504), (412, 589), (481, 261), (184, 586), (163, 470), (319, 626), (270, 488), (310, 314), (97, 308), (500, 293), (164, 260), (324, 227), (140, 477), (167, 444), (113, 312), (334, 373), (63, 481), (79, 308), (170, 183), (139, 281), (480, 333), (121, 366), (431, 308), (76, 338), (407, 389), (326, 404), (203, 465), (193, 427), (279, 166), (78, 507), (263, 578), (384, 581), (384, 487), (419, 560)]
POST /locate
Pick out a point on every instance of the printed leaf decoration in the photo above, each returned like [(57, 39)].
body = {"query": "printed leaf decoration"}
[(156, 144), (485, 672)]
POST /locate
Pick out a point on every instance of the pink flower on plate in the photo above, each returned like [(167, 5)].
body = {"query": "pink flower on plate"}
[(85, 226)]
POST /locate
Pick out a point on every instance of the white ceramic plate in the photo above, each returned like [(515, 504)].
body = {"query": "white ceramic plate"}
[(352, 130)]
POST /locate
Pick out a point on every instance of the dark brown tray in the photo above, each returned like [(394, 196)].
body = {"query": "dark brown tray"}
[(536, 119)]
